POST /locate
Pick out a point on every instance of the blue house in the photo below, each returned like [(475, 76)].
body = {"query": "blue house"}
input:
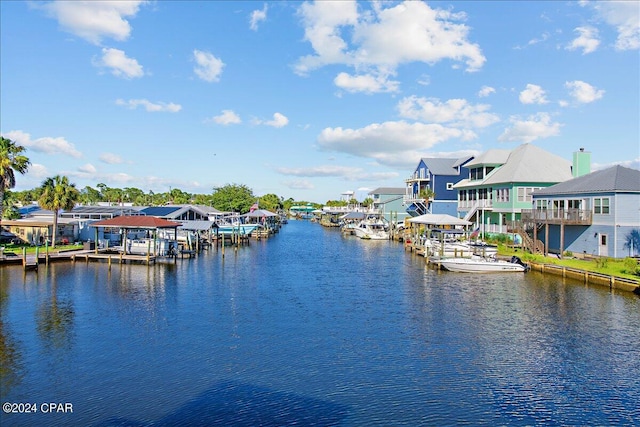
[(595, 214), (438, 175)]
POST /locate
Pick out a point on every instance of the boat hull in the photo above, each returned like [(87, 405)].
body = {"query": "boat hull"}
[(469, 265)]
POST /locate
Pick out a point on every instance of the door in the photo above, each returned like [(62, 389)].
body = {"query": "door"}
[(603, 249)]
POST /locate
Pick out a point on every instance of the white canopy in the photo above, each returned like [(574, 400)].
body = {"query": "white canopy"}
[(439, 219)]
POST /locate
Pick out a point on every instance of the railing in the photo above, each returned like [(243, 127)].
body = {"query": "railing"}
[(471, 204), (417, 177), (557, 216)]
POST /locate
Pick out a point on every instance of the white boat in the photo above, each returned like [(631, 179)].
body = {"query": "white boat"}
[(158, 246), (483, 249), (483, 265), (372, 229), (446, 249)]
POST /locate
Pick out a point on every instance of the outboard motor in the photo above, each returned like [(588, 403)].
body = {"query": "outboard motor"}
[(517, 260)]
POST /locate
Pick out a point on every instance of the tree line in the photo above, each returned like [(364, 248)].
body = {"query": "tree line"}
[(58, 193)]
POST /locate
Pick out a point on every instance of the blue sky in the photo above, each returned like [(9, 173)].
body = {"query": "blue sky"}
[(310, 99)]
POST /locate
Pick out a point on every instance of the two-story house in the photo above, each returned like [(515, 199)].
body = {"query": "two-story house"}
[(500, 184), (430, 189), (595, 214), (389, 202)]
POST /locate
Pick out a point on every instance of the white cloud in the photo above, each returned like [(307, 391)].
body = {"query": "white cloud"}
[(48, 145), (456, 112), (88, 169), (366, 83), (533, 94), (38, 171), (228, 117), (587, 40), (111, 159), (94, 20), (120, 65), (583, 92), (208, 68), (389, 143), (257, 16), (625, 17), (330, 171), (298, 184), (485, 91), (151, 107), (279, 120), (420, 34), (535, 127)]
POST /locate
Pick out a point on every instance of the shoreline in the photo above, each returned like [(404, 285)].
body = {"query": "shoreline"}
[(588, 277)]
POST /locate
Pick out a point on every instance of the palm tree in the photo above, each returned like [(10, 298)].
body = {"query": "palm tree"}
[(58, 194), (11, 161)]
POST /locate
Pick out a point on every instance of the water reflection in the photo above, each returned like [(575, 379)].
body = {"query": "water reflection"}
[(55, 319), (11, 358), (313, 327)]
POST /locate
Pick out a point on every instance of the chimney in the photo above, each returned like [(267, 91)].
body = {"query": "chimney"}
[(581, 163)]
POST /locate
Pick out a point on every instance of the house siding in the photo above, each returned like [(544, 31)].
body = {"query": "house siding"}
[(622, 219)]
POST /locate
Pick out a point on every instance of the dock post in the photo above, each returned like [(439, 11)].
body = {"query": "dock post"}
[(109, 262)]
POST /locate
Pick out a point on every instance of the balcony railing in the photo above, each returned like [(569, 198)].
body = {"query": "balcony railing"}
[(417, 177), (470, 204), (557, 216)]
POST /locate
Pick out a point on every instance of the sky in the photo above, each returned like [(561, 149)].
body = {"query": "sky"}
[(309, 100)]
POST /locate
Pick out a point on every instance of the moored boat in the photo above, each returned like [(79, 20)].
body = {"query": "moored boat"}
[(372, 229), (483, 265)]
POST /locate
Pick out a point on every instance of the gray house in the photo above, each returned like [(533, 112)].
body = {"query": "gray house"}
[(595, 214)]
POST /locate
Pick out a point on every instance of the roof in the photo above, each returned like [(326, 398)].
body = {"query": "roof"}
[(138, 221), (441, 166), (113, 210), (259, 213), (614, 179), (526, 163), (438, 219), (195, 225), (490, 157), (160, 211), (388, 190)]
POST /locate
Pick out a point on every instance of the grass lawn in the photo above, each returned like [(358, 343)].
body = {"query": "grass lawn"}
[(627, 268), (31, 250)]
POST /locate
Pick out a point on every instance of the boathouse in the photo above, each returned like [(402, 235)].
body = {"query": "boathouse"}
[(129, 227)]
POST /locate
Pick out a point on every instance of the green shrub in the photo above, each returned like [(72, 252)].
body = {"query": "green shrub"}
[(602, 262)]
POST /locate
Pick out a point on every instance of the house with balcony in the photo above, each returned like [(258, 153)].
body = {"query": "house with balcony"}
[(430, 189), (597, 214), (501, 182), (389, 202)]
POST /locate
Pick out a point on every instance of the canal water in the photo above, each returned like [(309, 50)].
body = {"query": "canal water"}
[(312, 328)]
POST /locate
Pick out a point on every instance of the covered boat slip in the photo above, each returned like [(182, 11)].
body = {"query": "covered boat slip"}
[(428, 234), (151, 245)]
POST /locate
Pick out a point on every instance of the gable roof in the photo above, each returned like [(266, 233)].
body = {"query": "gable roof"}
[(614, 179), (388, 190), (138, 221), (441, 166)]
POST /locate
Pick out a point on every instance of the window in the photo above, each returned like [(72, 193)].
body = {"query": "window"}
[(524, 193), (449, 185), (601, 206)]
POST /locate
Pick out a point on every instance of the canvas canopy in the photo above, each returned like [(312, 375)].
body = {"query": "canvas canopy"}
[(259, 213), (438, 220)]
